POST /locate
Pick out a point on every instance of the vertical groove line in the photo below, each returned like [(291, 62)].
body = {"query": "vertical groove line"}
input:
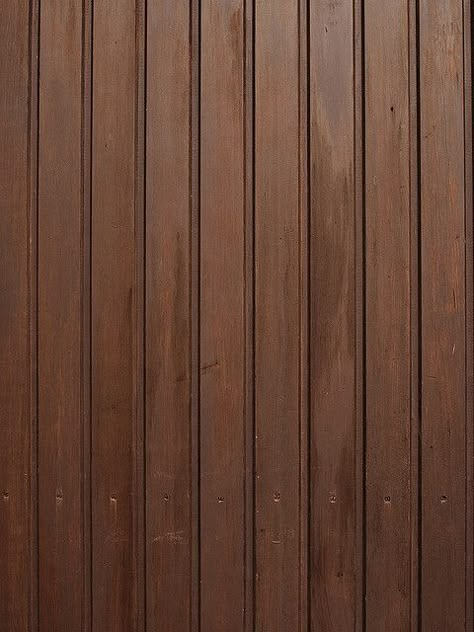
[(308, 313), (303, 302), (469, 344), (308, 359), (32, 264), (91, 209), (139, 513), (249, 364), (414, 308), (195, 16), (144, 322), (360, 302), (85, 312), (419, 321)]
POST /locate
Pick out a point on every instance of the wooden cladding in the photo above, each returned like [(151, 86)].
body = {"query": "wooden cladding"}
[(236, 336)]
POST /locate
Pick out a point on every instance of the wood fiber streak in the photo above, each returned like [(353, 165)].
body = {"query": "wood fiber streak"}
[(333, 368), (388, 316), (222, 333), (277, 315), (443, 237), (59, 317), (168, 317), (17, 421)]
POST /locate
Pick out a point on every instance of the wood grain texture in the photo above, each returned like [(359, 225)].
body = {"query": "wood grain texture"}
[(333, 335), (17, 330), (236, 316), (168, 317), (61, 563), (222, 342), (443, 316), (114, 319), (277, 315), (388, 316)]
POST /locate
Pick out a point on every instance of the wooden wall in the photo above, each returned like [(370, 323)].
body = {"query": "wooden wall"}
[(236, 316)]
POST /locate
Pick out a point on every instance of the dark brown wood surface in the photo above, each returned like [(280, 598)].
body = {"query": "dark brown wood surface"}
[(236, 316)]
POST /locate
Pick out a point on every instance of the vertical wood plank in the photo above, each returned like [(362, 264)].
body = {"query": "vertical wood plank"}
[(18, 38), (222, 315), (277, 397), (61, 561), (115, 318), (359, 303), (469, 271), (333, 431), (87, 21), (168, 317), (195, 157), (304, 350), (415, 315), (443, 316), (249, 238), (388, 229)]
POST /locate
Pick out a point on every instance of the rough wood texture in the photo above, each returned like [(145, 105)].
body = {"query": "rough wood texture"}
[(236, 316)]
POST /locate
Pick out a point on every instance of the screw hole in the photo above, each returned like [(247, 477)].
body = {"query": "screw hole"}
[(276, 497), (332, 499), (220, 499), (387, 500), (166, 497), (444, 499)]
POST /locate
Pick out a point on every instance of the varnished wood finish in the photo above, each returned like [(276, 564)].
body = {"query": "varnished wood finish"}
[(387, 271), (60, 332), (277, 315), (168, 317), (18, 402), (443, 341), (334, 536), (222, 326), (236, 316)]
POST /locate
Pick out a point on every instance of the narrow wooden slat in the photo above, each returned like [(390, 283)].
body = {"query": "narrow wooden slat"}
[(388, 317), (86, 313), (222, 315), (59, 317), (249, 237), (359, 306), (139, 376), (115, 297), (469, 271), (18, 329), (194, 181), (277, 344), (304, 350), (415, 316), (333, 368), (168, 317), (443, 316)]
